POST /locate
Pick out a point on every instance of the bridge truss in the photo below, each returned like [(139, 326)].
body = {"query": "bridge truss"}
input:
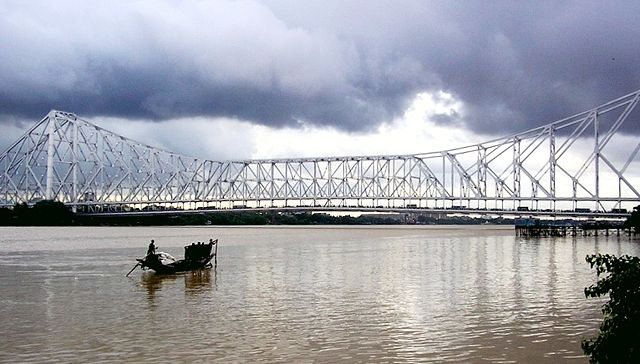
[(583, 162)]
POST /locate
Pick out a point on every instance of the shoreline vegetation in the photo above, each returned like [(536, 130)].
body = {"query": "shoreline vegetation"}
[(54, 213)]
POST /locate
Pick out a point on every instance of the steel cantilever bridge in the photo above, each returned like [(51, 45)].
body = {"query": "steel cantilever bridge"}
[(584, 164)]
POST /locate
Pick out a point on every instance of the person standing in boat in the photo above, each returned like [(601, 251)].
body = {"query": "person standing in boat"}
[(152, 248)]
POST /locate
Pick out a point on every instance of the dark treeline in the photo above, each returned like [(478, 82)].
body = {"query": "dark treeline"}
[(45, 213), (277, 218), (49, 213), (234, 218), (634, 220)]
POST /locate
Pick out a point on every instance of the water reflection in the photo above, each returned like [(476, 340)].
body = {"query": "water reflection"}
[(304, 295), (155, 282), (195, 282), (199, 280)]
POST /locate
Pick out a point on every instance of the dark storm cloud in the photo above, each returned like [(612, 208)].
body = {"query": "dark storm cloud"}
[(349, 64)]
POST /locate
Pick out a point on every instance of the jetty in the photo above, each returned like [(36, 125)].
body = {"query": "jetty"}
[(532, 227)]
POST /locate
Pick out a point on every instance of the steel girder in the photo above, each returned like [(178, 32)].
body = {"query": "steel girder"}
[(581, 161)]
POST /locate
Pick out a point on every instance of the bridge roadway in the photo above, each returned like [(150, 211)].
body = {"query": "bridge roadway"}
[(348, 210)]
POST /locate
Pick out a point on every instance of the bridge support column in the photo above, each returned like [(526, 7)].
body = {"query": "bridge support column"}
[(51, 129)]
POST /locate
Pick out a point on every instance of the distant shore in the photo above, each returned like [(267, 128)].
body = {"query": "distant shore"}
[(52, 213)]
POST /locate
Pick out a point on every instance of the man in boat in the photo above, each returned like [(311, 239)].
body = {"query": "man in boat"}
[(152, 248)]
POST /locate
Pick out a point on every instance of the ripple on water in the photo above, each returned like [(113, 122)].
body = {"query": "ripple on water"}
[(301, 295)]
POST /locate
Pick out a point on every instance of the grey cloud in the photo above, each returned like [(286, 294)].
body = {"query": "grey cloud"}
[(348, 64)]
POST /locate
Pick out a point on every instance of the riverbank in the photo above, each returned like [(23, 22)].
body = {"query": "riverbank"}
[(53, 213)]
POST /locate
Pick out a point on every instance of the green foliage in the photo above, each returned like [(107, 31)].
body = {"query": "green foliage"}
[(634, 220), (236, 218), (48, 212), (22, 214), (619, 337), (45, 212), (6, 216)]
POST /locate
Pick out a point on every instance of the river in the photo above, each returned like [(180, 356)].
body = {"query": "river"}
[(299, 294)]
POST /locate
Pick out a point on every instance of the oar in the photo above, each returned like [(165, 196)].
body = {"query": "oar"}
[(216, 254), (132, 269)]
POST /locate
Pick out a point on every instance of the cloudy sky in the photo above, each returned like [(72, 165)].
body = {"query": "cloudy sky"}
[(287, 78)]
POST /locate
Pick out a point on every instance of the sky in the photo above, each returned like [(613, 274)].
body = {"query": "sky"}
[(285, 78)]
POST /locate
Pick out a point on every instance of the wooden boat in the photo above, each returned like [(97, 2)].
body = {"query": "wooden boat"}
[(196, 256)]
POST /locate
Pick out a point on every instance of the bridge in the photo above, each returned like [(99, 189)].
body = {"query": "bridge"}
[(583, 165)]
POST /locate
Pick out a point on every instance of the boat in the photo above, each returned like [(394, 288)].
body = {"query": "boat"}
[(196, 256)]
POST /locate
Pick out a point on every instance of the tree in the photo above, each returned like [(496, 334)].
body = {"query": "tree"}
[(22, 213), (619, 338), (49, 212), (633, 221), (6, 216)]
